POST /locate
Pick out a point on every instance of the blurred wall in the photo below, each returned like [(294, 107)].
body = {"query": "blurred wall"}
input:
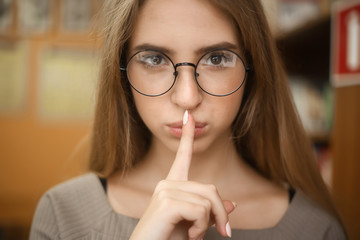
[(48, 71)]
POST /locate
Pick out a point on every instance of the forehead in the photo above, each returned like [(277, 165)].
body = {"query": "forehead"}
[(184, 25)]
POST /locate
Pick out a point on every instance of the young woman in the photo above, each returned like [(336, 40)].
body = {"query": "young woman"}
[(195, 134)]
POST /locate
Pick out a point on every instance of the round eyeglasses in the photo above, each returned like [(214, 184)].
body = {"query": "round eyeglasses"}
[(218, 72)]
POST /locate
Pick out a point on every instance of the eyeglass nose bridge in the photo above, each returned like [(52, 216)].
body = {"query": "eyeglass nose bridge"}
[(176, 72)]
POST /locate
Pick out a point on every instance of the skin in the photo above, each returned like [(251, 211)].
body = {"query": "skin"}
[(190, 31), (196, 177)]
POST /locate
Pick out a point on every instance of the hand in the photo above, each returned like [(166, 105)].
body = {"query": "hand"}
[(180, 208)]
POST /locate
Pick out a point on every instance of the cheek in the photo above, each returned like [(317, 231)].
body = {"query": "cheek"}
[(228, 107), (143, 109), (141, 106), (149, 109)]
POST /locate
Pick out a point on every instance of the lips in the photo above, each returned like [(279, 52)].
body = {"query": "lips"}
[(176, 128)]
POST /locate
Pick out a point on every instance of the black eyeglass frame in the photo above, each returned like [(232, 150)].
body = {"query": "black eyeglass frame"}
[(175, 73)]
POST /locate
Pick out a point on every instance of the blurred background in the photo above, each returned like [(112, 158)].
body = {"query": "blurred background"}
[(49, 62)]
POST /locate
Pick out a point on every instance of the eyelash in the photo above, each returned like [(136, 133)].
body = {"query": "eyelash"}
[(147, 60)]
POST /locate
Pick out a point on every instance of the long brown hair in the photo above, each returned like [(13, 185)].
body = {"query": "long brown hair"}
[(267, 131)]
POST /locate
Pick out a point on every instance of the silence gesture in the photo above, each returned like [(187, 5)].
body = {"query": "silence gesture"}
[(179, 208), (179, 171)]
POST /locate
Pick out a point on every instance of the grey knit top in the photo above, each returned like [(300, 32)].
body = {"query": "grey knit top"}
[(79, 209)]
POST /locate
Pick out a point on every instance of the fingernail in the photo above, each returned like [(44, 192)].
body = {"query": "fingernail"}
[(235, 204), (186, 117), (228, 229)]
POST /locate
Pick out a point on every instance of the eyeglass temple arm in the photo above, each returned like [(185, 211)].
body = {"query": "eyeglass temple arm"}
[(249, 68)]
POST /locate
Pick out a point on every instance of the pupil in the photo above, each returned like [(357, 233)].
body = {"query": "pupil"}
[(155, 60), (216, 60)]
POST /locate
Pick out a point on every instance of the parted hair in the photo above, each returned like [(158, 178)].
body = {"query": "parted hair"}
[(267, 131)]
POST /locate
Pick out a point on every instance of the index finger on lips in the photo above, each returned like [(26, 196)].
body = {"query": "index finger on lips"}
[(179, 170)]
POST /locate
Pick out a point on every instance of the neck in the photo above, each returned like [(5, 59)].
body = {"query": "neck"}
[(210, 166)]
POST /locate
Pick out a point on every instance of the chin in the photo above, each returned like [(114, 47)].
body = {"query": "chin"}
[(200, 148)]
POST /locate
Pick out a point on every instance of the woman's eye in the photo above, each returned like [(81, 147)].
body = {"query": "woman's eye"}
[(156, 60), (153, 60), (216, 60), (219, 59)]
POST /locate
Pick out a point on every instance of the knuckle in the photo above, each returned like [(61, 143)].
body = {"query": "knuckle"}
[(212, 188), (160, 186), (207, 204), (196, 233), (162, 195), (203, 211), (166, 203), (198, 229)]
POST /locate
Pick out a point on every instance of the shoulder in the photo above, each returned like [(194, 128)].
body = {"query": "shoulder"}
[(77, 194), (70, 207), (308, 219), (69, 188)]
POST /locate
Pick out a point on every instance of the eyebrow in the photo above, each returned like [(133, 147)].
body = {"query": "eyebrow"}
[(221, 45), (202, 50), (147, 46)]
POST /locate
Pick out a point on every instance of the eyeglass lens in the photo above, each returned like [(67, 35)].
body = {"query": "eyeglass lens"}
[(219, 72)]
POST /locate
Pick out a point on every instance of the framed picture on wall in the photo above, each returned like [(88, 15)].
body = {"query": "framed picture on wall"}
[(13, 73), (76, 15), (294, 13), (5, 16), (67, 81), (34, 16), (345, 66)]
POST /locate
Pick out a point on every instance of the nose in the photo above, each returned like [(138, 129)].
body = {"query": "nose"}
[(186, 93)]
